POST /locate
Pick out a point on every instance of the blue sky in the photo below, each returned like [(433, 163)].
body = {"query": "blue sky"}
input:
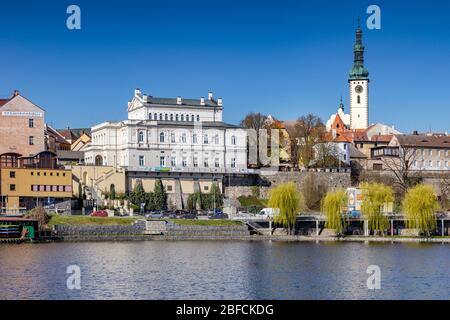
[(285, 58)]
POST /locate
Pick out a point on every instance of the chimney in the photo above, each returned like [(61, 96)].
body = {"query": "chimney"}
[(210, 95), (145, 98), (16, 93), (415, 132), (202, 101), (219, 102), (178, 100), (137, 92)]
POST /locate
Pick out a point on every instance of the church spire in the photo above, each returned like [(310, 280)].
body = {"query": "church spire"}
[(358, 71)]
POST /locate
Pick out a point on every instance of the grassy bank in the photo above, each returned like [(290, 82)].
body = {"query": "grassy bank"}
[(218, 222), (57, 219)]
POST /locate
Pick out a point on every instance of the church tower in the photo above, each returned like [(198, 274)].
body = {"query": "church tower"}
[(359, 86)]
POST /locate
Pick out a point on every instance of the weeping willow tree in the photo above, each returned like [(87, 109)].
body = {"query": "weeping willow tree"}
[(375, 197), (332, 206), (288, 200), (419, 205)]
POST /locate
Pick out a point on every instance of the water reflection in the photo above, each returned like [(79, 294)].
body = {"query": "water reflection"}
[(224, 270)]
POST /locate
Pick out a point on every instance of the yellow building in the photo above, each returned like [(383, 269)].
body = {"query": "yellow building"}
[(24, 186)]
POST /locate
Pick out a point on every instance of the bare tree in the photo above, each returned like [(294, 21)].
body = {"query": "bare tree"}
[(400, 165), (256, 121), (307, 131)]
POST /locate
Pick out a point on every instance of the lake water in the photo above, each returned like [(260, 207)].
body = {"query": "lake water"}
[(224, 270)]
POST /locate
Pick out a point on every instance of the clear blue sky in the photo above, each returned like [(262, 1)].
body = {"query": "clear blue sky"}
[(285, 58)]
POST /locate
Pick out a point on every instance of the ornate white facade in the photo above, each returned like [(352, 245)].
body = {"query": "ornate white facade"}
[(171, 135)]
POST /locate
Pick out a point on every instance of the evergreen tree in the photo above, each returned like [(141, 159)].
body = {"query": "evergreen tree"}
[(138, 195), (159, 196)]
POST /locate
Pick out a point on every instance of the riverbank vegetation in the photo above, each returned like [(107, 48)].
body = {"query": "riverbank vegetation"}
[(419, 205), (80, 220), (333, 206), (376, 198), (289, 201)]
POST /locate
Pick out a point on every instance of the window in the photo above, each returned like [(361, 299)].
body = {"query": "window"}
[(160, 116), (12, 187), (192, 118), (446, 164), (194, 138), (198, 118), (31, 140), (233, 140), (155, 116), (184, 162), (141, 161), (216, 139), (141, 136), (171, 117), (166, 117), (358, 99), (173, 161), (169, 188), (161, 137), (431, 152), (206, 188), (217, 162), (345, 146), (430, 163), (162, 161), (176, 117), (30, 123), (195, 162), (12, 174), (438, 163), (172, 137), (206, 162), (182, 117), (205, 139), (149, 116), (233, 162), (183, 138)]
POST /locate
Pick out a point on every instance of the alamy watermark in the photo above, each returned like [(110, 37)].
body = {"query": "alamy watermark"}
[(74, 280), (73, 21), (374, 280)]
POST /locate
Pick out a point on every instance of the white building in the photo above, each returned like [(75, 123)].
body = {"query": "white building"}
[(170, 135)]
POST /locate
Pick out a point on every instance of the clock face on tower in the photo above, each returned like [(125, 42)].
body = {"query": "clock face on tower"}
[(358, 89)]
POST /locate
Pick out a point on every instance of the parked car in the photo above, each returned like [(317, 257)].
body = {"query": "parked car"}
[(155, 215), (99, 213), (218, 216), (189, 216)]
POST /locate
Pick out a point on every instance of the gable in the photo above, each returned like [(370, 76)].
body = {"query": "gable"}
[(19, 105)]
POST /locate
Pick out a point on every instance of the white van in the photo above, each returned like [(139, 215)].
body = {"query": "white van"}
[(268, 213)]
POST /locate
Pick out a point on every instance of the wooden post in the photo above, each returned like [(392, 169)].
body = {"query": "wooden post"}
[(270, 226), (442, 227), (317, 227), (392, 227)]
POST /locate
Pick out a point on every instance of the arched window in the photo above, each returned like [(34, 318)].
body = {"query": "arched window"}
[(182, 117), (205, 139), (149, 116), (198, 118), (194, 138), (192, 118), (216, 139), (358, 99), (233, 140), (161, 137), (155, 116), (98, 160), (176, 117), (171, 117), (183, 138), (160, 116), (166, 117), (141, 136)]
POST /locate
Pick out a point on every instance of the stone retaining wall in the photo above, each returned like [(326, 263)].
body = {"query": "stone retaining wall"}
[(88, 230)]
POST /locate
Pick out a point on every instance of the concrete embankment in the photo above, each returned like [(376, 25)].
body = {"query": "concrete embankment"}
[(175, 232)]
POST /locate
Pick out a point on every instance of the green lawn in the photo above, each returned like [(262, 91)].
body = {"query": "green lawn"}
[(214, 222), (57, 219)]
